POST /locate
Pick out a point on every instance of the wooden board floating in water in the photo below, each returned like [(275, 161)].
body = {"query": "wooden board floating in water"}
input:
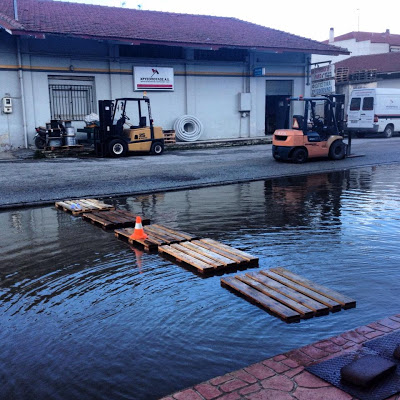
[(112, 219), (78, 207), (287, 295), (208, 256), (158, 235)]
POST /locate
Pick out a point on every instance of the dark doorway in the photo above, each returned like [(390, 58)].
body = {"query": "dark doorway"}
[(275, 105), (275, 113)]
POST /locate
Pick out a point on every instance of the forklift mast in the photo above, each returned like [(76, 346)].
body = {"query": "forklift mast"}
[(338, 109)]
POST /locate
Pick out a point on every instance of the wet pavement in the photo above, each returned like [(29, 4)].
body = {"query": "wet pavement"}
[(30, 182)]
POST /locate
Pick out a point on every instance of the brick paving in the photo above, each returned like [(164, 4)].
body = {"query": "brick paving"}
[(283, 377)]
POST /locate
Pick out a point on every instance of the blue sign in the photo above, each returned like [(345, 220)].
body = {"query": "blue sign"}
[(259, 71)]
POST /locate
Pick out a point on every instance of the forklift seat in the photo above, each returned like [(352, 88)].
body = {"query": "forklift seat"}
[(313, 137), (119, 126)]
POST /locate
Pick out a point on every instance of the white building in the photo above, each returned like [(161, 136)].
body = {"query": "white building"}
[(360, 44), (59, 59)]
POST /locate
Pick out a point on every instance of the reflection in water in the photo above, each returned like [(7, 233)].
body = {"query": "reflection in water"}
[(86, 316)]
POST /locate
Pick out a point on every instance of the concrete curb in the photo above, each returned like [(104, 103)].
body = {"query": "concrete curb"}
[(218, 143)]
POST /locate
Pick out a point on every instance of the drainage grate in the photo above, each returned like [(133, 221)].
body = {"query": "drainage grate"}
[(385, 346)]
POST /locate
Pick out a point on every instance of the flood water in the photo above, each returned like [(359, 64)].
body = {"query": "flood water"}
[(85, 316)]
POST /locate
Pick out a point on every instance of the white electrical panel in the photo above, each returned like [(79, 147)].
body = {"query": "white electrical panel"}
[(244, 102), (7, 105)]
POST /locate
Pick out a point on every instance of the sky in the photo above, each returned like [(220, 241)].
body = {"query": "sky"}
[(311, 19)]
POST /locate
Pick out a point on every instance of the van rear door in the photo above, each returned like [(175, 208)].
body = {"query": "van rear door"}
[(353, 117), (367, 112)]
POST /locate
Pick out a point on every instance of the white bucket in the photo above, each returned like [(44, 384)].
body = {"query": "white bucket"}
[(69, 140), (70, 137)]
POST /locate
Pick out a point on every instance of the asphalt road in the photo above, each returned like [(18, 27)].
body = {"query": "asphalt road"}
[(31, 182)]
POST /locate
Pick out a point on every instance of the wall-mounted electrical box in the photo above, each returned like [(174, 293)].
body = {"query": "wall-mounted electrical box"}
[(7, 105), (244, 102)]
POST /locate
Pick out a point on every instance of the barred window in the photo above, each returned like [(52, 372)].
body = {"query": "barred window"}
[(71, 102)]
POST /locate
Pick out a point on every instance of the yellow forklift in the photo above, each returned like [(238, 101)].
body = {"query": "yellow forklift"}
[(125, 127), (311, 136)]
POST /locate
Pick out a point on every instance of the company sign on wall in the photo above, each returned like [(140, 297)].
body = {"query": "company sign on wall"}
[(153, 78), (323, 80)]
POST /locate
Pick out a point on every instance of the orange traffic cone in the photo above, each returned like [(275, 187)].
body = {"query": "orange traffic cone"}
[(138, 232)]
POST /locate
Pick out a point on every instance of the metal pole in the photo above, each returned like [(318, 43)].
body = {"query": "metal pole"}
[(15, 10), (349, 143), (21, 83)]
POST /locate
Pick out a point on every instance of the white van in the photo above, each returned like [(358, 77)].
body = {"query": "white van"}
[(374, 111)]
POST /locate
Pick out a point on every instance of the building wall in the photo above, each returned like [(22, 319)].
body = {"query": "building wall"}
[(207, 90), (10, 124), (389, 83)]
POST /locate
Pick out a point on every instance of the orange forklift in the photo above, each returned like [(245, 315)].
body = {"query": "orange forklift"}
[(311, 136)]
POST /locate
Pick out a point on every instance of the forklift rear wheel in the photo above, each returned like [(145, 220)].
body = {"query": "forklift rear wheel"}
[(337, 150), (157, 148), (117, 148), (299, 156)]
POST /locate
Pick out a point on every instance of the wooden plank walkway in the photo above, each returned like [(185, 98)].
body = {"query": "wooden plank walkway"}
[(158, 235), (112, 219), (208, 256), (78, 207), (287, 295)]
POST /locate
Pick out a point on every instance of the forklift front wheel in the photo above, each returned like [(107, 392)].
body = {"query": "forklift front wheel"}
[(337, 150), (157, 148), (117, 148), (299, 155)]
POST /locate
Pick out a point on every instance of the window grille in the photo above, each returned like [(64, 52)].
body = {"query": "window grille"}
[(71, 102)]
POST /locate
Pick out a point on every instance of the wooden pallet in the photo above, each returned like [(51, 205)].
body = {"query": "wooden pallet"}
[(112, 219), (78, 207), (169, 137), (77, 147), (287, 295), (342, 74), (208, 256), (158, 235)]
